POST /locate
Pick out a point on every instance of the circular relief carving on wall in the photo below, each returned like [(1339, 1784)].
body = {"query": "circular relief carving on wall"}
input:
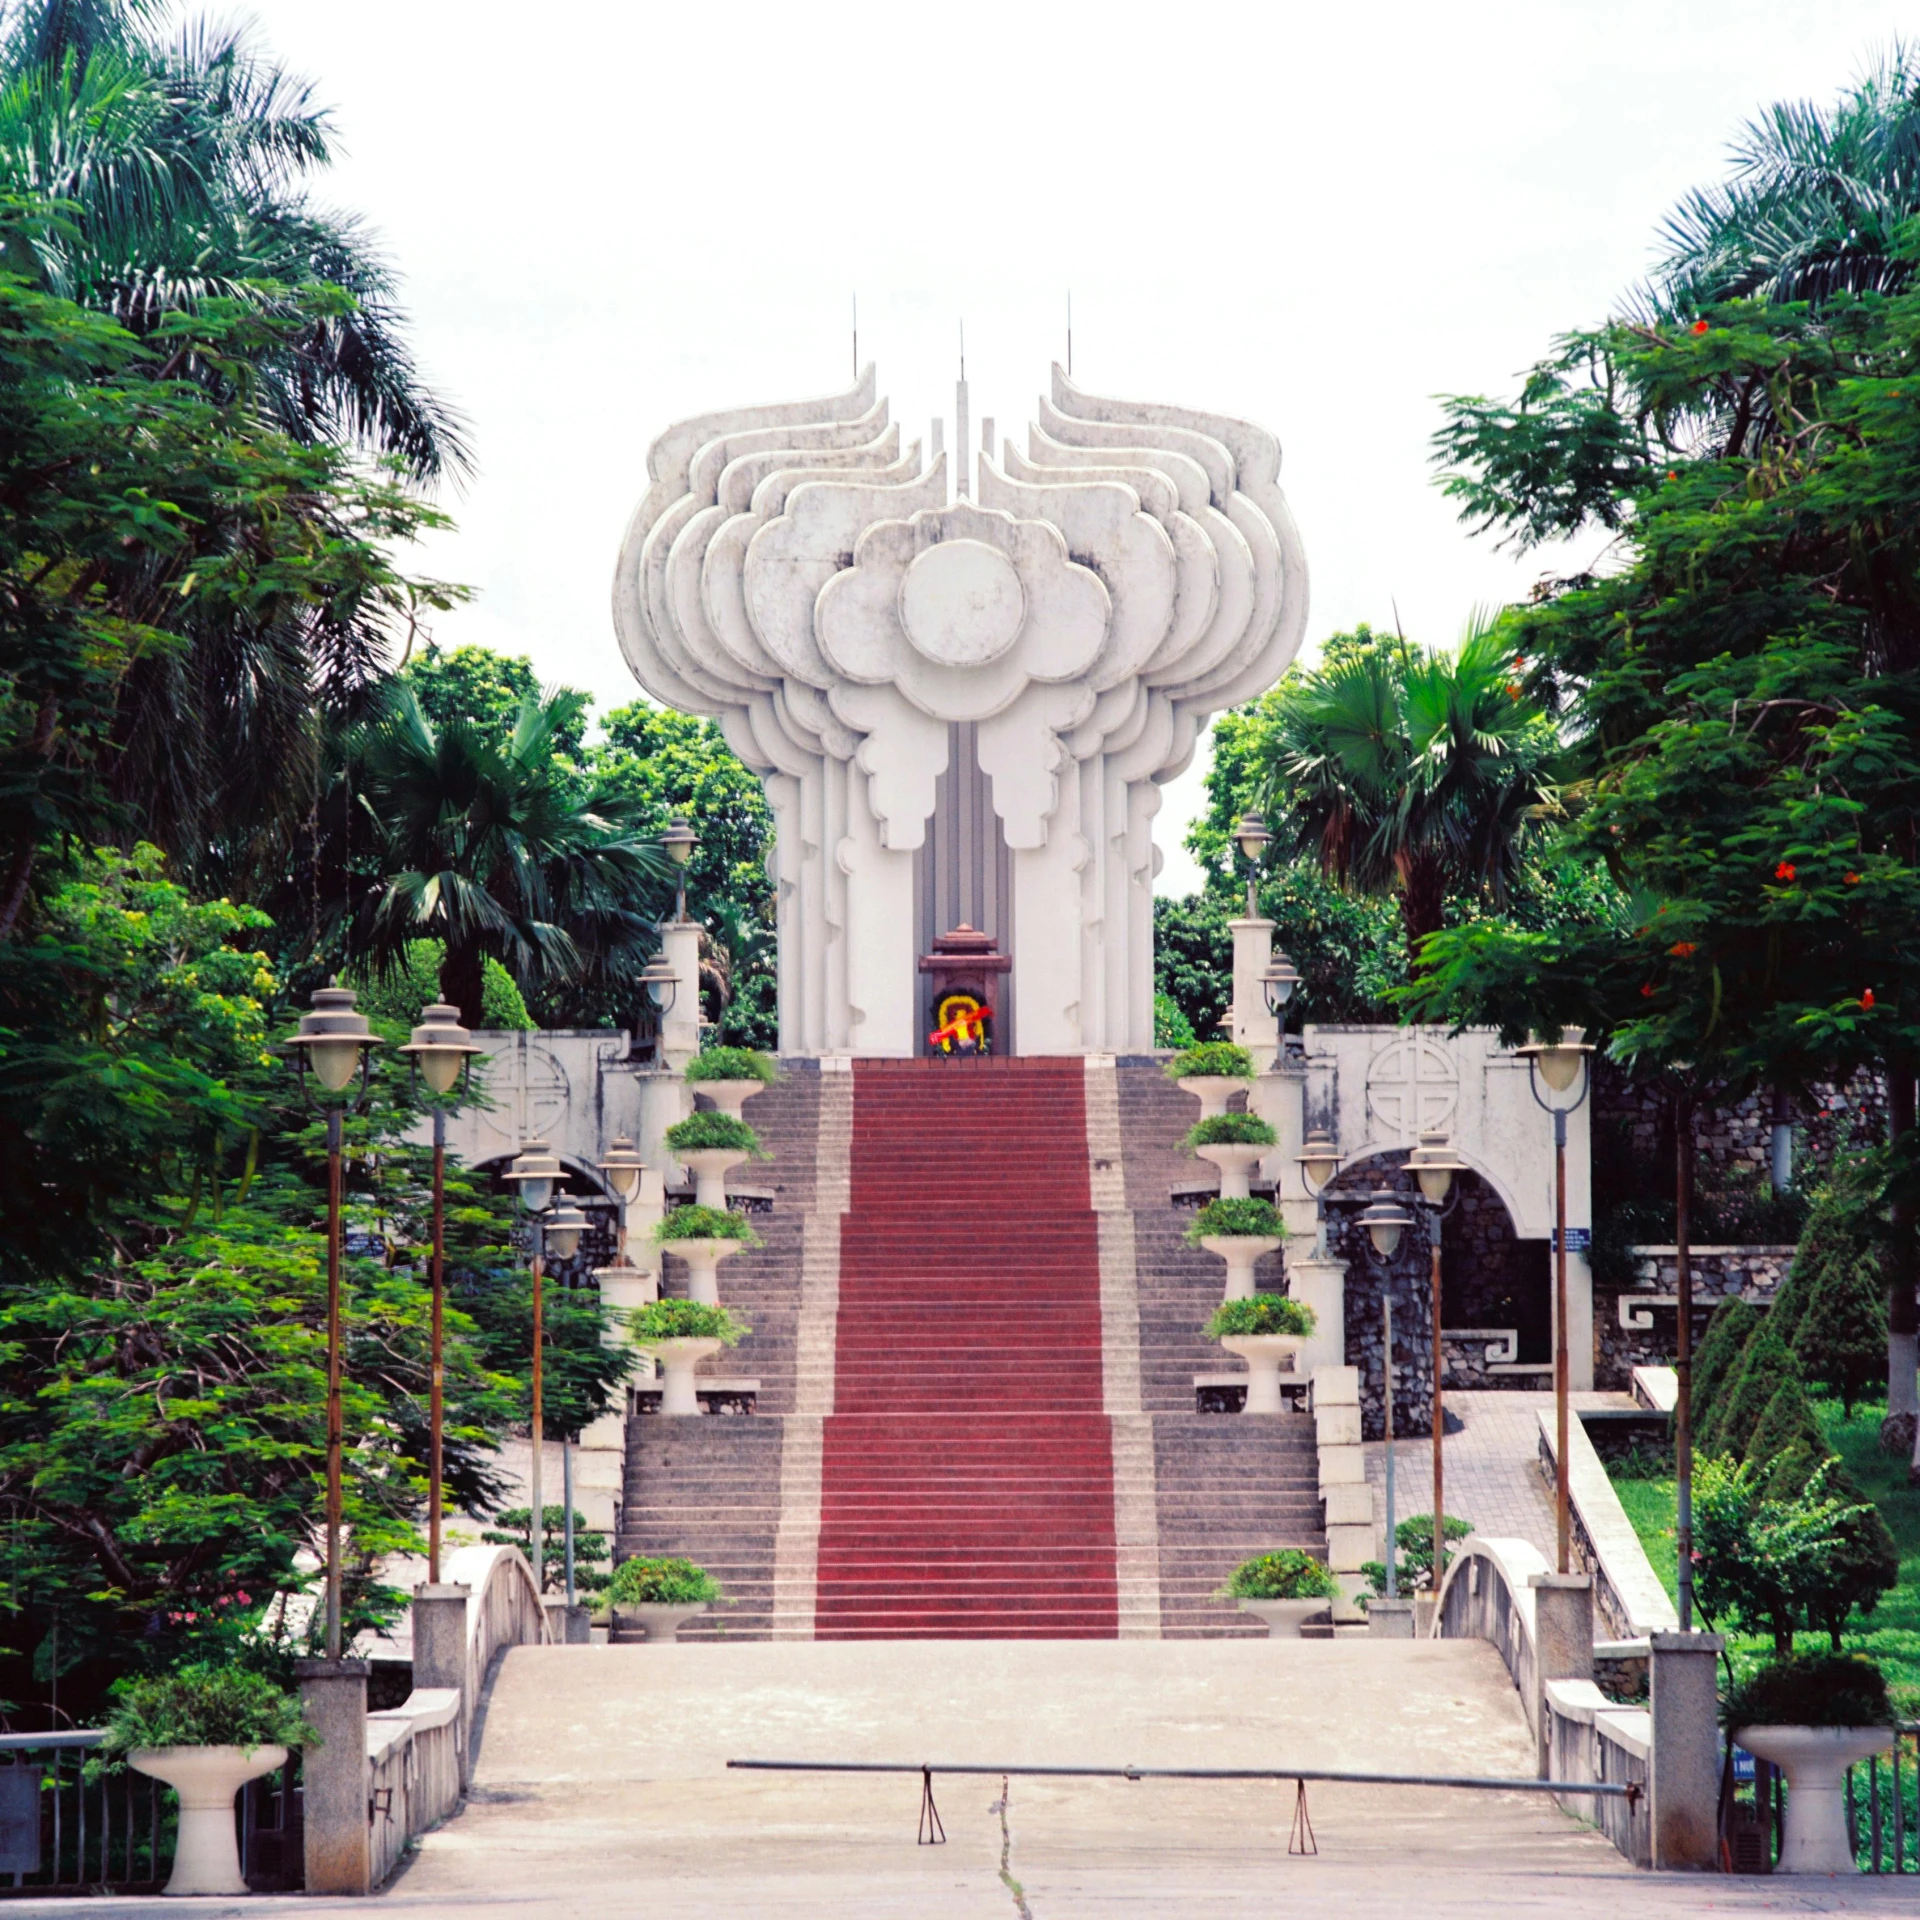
[(1412, 1084), (962, 604)]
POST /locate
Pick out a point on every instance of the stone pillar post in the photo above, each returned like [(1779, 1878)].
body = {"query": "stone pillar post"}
[(680, 1028), (1321, 1285), (569, 1626), (333, 1696), (1684, 1763), (440, 1649), (1253, 1026), (1562, 1642)]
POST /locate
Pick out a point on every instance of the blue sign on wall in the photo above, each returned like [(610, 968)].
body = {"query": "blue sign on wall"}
[(1579, 1239)]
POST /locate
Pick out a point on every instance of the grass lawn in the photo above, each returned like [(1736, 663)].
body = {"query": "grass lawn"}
[(1891, 1633)]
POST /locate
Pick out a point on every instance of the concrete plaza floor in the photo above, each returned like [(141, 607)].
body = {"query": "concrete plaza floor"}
[(602, 1789)]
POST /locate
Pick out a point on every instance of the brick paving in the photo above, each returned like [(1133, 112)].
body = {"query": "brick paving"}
[(1491, 1466)]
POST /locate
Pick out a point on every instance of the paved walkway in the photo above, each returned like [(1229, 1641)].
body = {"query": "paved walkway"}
[(1492, 1466), (602, 1790)]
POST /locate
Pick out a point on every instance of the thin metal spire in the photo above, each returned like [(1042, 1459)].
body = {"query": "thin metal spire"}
[(1069, 333), (856, 339)]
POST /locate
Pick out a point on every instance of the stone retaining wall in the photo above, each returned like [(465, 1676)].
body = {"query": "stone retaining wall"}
[(1636, 1326)]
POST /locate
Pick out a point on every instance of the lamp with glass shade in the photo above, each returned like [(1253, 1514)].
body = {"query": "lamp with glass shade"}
[(1278, 983), (1253, 837), (678, 842)]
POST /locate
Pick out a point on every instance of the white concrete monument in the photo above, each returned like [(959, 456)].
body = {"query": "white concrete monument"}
[(962, 697)]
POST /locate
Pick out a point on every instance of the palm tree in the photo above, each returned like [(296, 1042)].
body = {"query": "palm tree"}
[(177, 169), (498, 851), (1412, 772), (160, 172), (1815, 204)]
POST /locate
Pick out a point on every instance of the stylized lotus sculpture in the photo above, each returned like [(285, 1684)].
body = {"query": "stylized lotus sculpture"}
[(870, 645)]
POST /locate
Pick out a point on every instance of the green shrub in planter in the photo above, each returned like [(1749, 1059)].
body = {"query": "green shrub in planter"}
[(1237, 1217), (732, 1063), (203, 1705), (1232, 1130), (1264, 1313), (705, 1223), (1211, 1060), (1288, 1574), (686, 1320), (1824, 1690), (710, 1129), (664, 1581)]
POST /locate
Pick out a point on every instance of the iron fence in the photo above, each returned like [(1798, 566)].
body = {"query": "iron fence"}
[(1883, 1806)]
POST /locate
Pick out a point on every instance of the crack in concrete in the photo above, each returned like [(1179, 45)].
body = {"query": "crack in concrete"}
[(1007, 1880)]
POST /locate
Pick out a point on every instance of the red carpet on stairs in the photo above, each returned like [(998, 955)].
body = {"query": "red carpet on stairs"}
[(967, 1467)]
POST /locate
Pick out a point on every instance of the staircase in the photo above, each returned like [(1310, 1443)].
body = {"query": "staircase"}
[(967, 1469), (976, 1327)]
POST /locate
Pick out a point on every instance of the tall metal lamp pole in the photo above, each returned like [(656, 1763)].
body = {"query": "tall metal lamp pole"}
[(1560, 1063), (335, 1043), (1434, 1164), (442, 1051), (1385, 1223)]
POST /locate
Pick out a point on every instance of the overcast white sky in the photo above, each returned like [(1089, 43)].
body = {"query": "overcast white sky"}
[(612, 216)]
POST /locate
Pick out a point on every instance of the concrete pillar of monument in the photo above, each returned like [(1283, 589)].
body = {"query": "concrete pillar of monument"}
[(1684, 1761), (680, 1028), (1562, 1640), (333, 1696), (1253, 1026)]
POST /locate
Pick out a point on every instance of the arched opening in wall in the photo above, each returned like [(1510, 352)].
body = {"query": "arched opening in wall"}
[(1492, 1282), (963, 873), (1493, 1289)]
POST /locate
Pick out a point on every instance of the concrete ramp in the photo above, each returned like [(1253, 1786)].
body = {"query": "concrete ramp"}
[(602, 1786)]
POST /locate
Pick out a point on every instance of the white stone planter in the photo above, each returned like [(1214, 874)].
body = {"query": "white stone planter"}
[(1263, 1353), (729, 1096), (1285, 1618), (709, 1165), (1815, 1761), (206, 1856), (678, 1358), (703, 1259), (656, 1620), (1236, 1164), (1239, 1251), (1213, 1091)]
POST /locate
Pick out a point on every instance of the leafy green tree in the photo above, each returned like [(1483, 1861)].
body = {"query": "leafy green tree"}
[(495, 850), (592, 1552), (664, 763), (1764, 1367), (152, 530), (173, 172), (1842, 1339), (398, 998), (1719, 1352), (1740, 682)]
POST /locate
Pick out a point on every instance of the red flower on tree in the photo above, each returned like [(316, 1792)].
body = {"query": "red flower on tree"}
[(1852, 879), (1700, 326), (1866, 999), (1785, 870), (1646, 993), (1686, 949)]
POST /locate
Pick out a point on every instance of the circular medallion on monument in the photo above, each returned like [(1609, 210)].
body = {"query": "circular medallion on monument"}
[(960, 1024), (962, 604)]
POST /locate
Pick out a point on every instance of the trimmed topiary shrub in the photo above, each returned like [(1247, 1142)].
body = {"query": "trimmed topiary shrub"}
[(661, 1581), (1765, 1366), (1841, 1339), (1822, 1690), (1726, 1337), (1211, 1060), (705, 1223), (1288, 1574), (732, 1063), (203, 1705), (686, 1320), (710, 1129), (1232, 1130), (1264, 1313), (1235, 1217)]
